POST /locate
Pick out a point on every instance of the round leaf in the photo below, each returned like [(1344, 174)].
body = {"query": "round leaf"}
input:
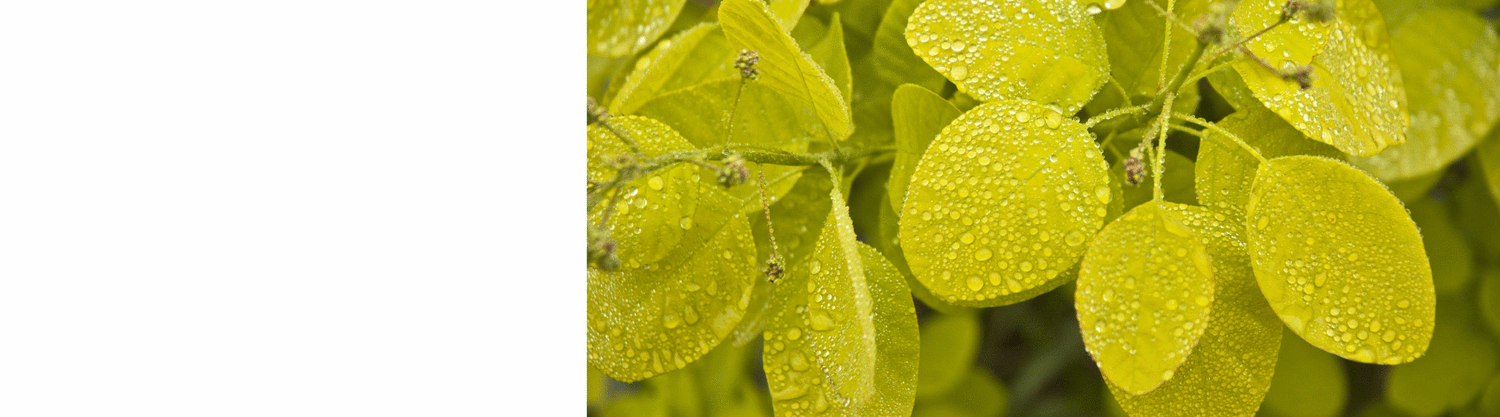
[(1044, 51), (622, 27), (1340, 261), (1230, 370), (653, 210), (783, 67), (1002, 203), (1450, 64), (1451, 258), (1144, 292), (1356, 101), (949, 343), (919, 116), (644, 320)]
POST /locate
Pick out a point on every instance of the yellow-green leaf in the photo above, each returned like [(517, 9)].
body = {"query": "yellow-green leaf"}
[(647, 221), (1489, 402), (842, 340), (1451, 258), (686, 59), (829, 54), (1043, 51), (788, 12), (1224, 171), (622, 27), (1307, 383), (1489, 299), (977, 393), (1337, 257), (645, 320), (920, 115), (949, 343), (783, 67), (1294, 42), (1230, 370), (1002, 203), (1450, 64), (1356, 101), (1460, 361), (889, 244), (1145, 289), (1488, 156)]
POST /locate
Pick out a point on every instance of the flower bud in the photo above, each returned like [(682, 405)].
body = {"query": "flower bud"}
[(734, 171), (746, 64)]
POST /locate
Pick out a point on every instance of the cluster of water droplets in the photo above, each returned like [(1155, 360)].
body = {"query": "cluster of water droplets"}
[(1003, 202), (1004, 49)]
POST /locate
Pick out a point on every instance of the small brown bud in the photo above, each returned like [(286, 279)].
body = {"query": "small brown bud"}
[(734, 171), (596, 112), (602, 249), (1301, 74), (746, 64), (774, 269)]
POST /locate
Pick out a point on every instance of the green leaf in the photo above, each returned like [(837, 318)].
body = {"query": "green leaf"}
[(889, 244), (1002, 203), (1488, 156), (787, 12), (647, 221), (1048, 52), (949, 344), (1356, 101), (1416, 188), (843, 340), (623, 27), (877, 75), (829, 54), (1472, 204), (1489, 299), (1232, 87), (1144, 293), (1133, 36), (1452, 259), (1450, 64), (1337, 257), (1224, 171), (1294, 42), (764, 118), (920, 115), (783, 67), (1229, 371), (1454, 370), (977, 393), (1489, 401), (1176, 182), (696, 55), (1307, 382), (798, 217), (645, 320)]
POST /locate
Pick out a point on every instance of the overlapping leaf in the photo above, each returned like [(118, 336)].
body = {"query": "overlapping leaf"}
[(1452, 259), (1355, 101), (920, 115), (949, 344), (1224, 171), (1002, 203), (647, 319), (686, 59), (1340, 261), (618, 28), (1462, 358), (1450, 65), (1145, 289), (1230, 369), (877, 75), (843, 340), (1307, 383), (1292, 43), (1043, 51)]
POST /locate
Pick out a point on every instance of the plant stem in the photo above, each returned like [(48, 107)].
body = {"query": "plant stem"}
[(1112, 114), (1156, 105), (1210, 126), (1161, 148), (732, 110)]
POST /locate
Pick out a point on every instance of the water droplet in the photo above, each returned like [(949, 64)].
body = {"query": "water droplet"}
[(816, 266), (1074, 238), (1102, 193), (671, 320), (655, 183), (1261, 224), (794, 334), (983, 255), (1093, 9), (975, 283), (959, 72), (821, 321)]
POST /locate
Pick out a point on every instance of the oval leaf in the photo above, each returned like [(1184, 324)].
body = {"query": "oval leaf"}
[(623, 27), (1356, 101), (649, 319), (920, 115), (783, 67), (1144, 293), (823, 352), (1450, 64), (648, 220), (949, 343), (1049, 52), (686, 59), (1292, 43), (1002, 203), (1230, 370), (1340, 260), (1224, 171)]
